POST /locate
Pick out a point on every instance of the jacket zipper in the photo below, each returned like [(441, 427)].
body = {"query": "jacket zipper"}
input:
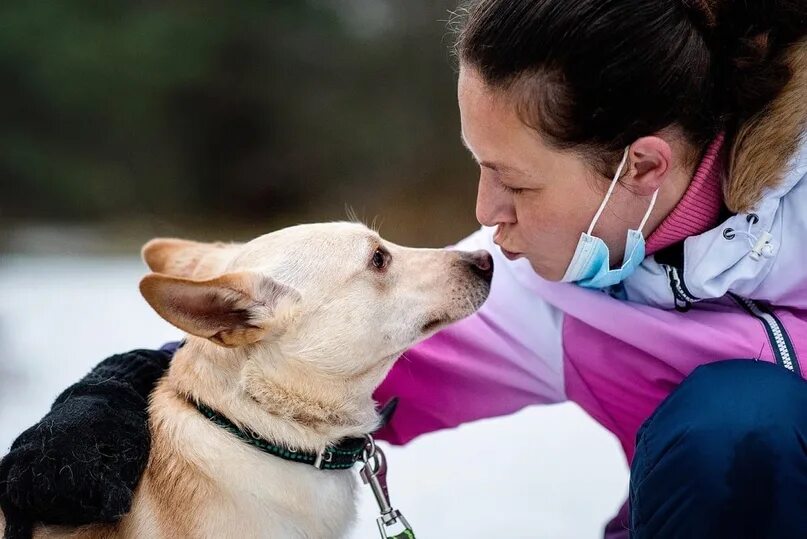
[(781, 344), (683, 298)]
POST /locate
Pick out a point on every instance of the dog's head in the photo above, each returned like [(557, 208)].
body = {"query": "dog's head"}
[(335, 296)]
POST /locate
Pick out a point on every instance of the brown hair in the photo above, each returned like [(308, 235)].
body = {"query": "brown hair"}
[(598, 74)]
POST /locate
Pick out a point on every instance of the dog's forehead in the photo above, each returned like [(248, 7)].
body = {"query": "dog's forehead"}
[(312, 246)]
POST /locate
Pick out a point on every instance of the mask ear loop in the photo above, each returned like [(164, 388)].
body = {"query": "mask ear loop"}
[(610, 192), (649, 211)]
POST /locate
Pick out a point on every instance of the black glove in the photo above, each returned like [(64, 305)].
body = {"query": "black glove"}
[(82, 461)]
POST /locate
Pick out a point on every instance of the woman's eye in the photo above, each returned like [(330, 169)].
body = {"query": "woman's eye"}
[(379, 259), (511, 190)]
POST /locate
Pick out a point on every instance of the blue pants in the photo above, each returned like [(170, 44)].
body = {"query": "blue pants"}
[(725, 455)]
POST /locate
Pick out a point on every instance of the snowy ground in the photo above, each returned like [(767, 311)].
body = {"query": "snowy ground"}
[(547, 472)]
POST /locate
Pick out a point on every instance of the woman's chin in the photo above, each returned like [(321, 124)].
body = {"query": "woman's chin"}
[(544, 270)]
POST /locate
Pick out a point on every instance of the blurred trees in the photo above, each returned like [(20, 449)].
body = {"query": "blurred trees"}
[(240, 112)]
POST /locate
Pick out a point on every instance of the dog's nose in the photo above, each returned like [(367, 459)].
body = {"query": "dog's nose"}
[(481, 263)]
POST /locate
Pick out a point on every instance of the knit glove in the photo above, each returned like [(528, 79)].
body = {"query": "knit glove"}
[(81, 462)]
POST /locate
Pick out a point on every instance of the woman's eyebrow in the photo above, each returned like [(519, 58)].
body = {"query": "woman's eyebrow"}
[(501, 168)]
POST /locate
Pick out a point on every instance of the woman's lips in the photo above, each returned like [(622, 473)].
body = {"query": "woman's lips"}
[(509, 254)]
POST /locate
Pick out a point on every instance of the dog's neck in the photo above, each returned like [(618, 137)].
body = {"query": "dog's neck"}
[(281, 400)]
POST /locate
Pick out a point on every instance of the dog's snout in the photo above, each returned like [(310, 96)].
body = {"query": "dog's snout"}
[(481, 263)]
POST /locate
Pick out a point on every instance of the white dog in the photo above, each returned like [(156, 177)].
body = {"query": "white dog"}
[(288, 336)]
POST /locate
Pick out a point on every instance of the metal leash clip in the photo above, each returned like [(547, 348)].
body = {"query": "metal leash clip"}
[(374, 473)]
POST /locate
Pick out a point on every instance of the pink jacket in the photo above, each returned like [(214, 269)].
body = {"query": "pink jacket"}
[(618, 353)]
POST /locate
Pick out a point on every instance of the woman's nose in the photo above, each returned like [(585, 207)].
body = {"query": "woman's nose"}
[(494, 206)]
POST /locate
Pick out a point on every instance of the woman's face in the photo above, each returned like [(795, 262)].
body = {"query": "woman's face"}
[(540, 199)]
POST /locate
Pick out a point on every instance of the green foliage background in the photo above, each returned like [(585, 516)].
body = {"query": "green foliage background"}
[(199, 117)]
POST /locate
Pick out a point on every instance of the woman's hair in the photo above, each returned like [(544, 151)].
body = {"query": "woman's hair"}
[(598, 74)]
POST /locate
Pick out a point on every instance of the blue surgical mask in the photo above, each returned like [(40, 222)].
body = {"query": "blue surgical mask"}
[(590, 266)]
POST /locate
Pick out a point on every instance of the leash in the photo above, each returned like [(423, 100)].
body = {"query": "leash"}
[(339, 457)]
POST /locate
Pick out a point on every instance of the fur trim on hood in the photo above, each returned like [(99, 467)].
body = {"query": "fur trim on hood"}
[(764, 146)]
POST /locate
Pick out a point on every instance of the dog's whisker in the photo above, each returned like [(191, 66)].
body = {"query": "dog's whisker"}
[(380, 222), (351, 214)]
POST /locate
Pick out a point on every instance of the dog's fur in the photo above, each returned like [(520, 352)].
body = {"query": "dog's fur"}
[(288, 336)]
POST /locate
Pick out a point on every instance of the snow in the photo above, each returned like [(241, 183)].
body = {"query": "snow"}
[(547, 472)]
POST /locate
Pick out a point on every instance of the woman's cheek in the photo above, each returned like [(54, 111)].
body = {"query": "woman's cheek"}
[(550, 235)]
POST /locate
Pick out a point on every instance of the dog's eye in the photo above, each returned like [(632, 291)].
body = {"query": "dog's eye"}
[(380, 259)]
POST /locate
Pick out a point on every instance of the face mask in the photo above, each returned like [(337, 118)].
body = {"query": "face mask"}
[(590, 266)]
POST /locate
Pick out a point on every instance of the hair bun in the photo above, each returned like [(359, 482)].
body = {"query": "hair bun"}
[(702, 13), (747, 42)]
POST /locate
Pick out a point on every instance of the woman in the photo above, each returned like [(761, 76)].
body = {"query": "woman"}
[(643, 191)]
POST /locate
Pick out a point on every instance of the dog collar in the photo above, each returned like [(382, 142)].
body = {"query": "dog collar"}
[(338, 457)]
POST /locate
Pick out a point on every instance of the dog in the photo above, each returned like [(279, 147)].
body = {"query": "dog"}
[(288, 335)]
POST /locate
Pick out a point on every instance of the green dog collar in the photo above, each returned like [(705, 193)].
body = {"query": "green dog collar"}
[(339, 457)]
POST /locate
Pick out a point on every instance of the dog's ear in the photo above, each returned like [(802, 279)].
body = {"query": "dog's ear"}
[(183, 258), (232, 310)]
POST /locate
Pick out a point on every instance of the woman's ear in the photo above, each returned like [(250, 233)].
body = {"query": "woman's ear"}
[(650, 160), (232, 310)]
